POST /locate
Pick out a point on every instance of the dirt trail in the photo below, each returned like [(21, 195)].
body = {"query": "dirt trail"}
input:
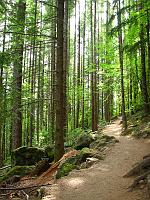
[(104, 180)]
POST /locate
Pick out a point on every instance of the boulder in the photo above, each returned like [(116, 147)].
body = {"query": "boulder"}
[(27, 156), (84, 140), (86, 153)]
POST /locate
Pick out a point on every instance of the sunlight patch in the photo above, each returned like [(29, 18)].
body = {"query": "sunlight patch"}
[(147, 141), (49, 197), (104, 168), (75, 182)]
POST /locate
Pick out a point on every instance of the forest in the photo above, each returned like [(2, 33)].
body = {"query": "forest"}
[(72, 71), (70, 66)]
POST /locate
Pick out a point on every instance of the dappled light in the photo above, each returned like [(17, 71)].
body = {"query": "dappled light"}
[(104, 168), (74, 99), (49, 197), (113, 130), (74, 182)]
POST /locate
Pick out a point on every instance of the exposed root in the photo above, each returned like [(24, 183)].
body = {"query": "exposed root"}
[(138, 179), (142, 169), (139, 168)]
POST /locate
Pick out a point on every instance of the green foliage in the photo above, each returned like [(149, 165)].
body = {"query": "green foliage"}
[(73, 135), (40, 44), (17, 170)]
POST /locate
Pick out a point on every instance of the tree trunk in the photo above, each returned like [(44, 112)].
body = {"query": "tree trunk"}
[(93, 74), (65, 64), (78, 76), (124, 118), (83, 69), (60, 97), (17, 78), (143, 71)]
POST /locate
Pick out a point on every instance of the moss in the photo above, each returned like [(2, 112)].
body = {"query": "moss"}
[(17, 170), (83, 140), (49, 151), (27, 156), (102, 141), (65, 169), (85, 153)]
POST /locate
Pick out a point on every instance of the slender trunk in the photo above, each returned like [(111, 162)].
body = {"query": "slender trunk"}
[(2, 107), (124, 118), (148, 46), (74, 74), (143, 71), (93, 74), (53, 80), (83, 71), (65, 63), (78, 76), (33, 65)]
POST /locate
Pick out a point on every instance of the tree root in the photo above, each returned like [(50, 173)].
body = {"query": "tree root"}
[(139, 168), (138, 180), (142, 169)]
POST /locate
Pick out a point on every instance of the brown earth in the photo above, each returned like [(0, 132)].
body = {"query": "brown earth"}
[(104, 180)]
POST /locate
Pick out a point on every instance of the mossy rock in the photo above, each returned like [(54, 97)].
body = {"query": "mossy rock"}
[(102, 141), (65, 169), (17, 170), (75, 161), (83, 140), (49, 151), (85, 153), (27, 156)]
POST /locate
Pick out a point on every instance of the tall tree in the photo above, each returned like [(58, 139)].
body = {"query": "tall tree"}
[(17, 76), (120, 39), (93, 74), (60, 96), (143, 67)]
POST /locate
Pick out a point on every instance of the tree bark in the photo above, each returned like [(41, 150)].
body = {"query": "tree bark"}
[(17, 78), (120, 39), (60, 97), (143, 72)]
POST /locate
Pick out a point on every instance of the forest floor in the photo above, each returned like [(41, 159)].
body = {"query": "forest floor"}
[(104, 180)]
